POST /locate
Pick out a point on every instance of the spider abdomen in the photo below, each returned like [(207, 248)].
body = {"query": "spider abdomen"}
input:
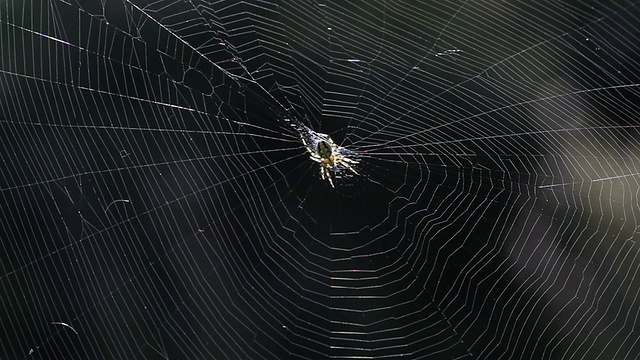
[(324, 150)]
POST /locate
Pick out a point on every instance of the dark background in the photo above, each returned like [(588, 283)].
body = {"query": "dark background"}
[(156, 197)]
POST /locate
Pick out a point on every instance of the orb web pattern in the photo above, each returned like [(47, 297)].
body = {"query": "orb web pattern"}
[(157, 200)]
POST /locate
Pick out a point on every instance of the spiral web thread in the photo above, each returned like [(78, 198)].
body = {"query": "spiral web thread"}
[(156, 199)]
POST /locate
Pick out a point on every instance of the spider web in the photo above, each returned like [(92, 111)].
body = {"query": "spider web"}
[(157, 202)]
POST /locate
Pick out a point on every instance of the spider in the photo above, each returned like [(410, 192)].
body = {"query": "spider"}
[(328, 154)]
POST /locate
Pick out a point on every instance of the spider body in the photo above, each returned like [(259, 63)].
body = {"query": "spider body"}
[(326, 153), (330, 157)]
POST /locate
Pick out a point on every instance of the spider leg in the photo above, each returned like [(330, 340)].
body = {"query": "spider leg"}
[(326, 175), (349, 167), (343, 161), (316, 158), (350, 161), (329, 178)]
